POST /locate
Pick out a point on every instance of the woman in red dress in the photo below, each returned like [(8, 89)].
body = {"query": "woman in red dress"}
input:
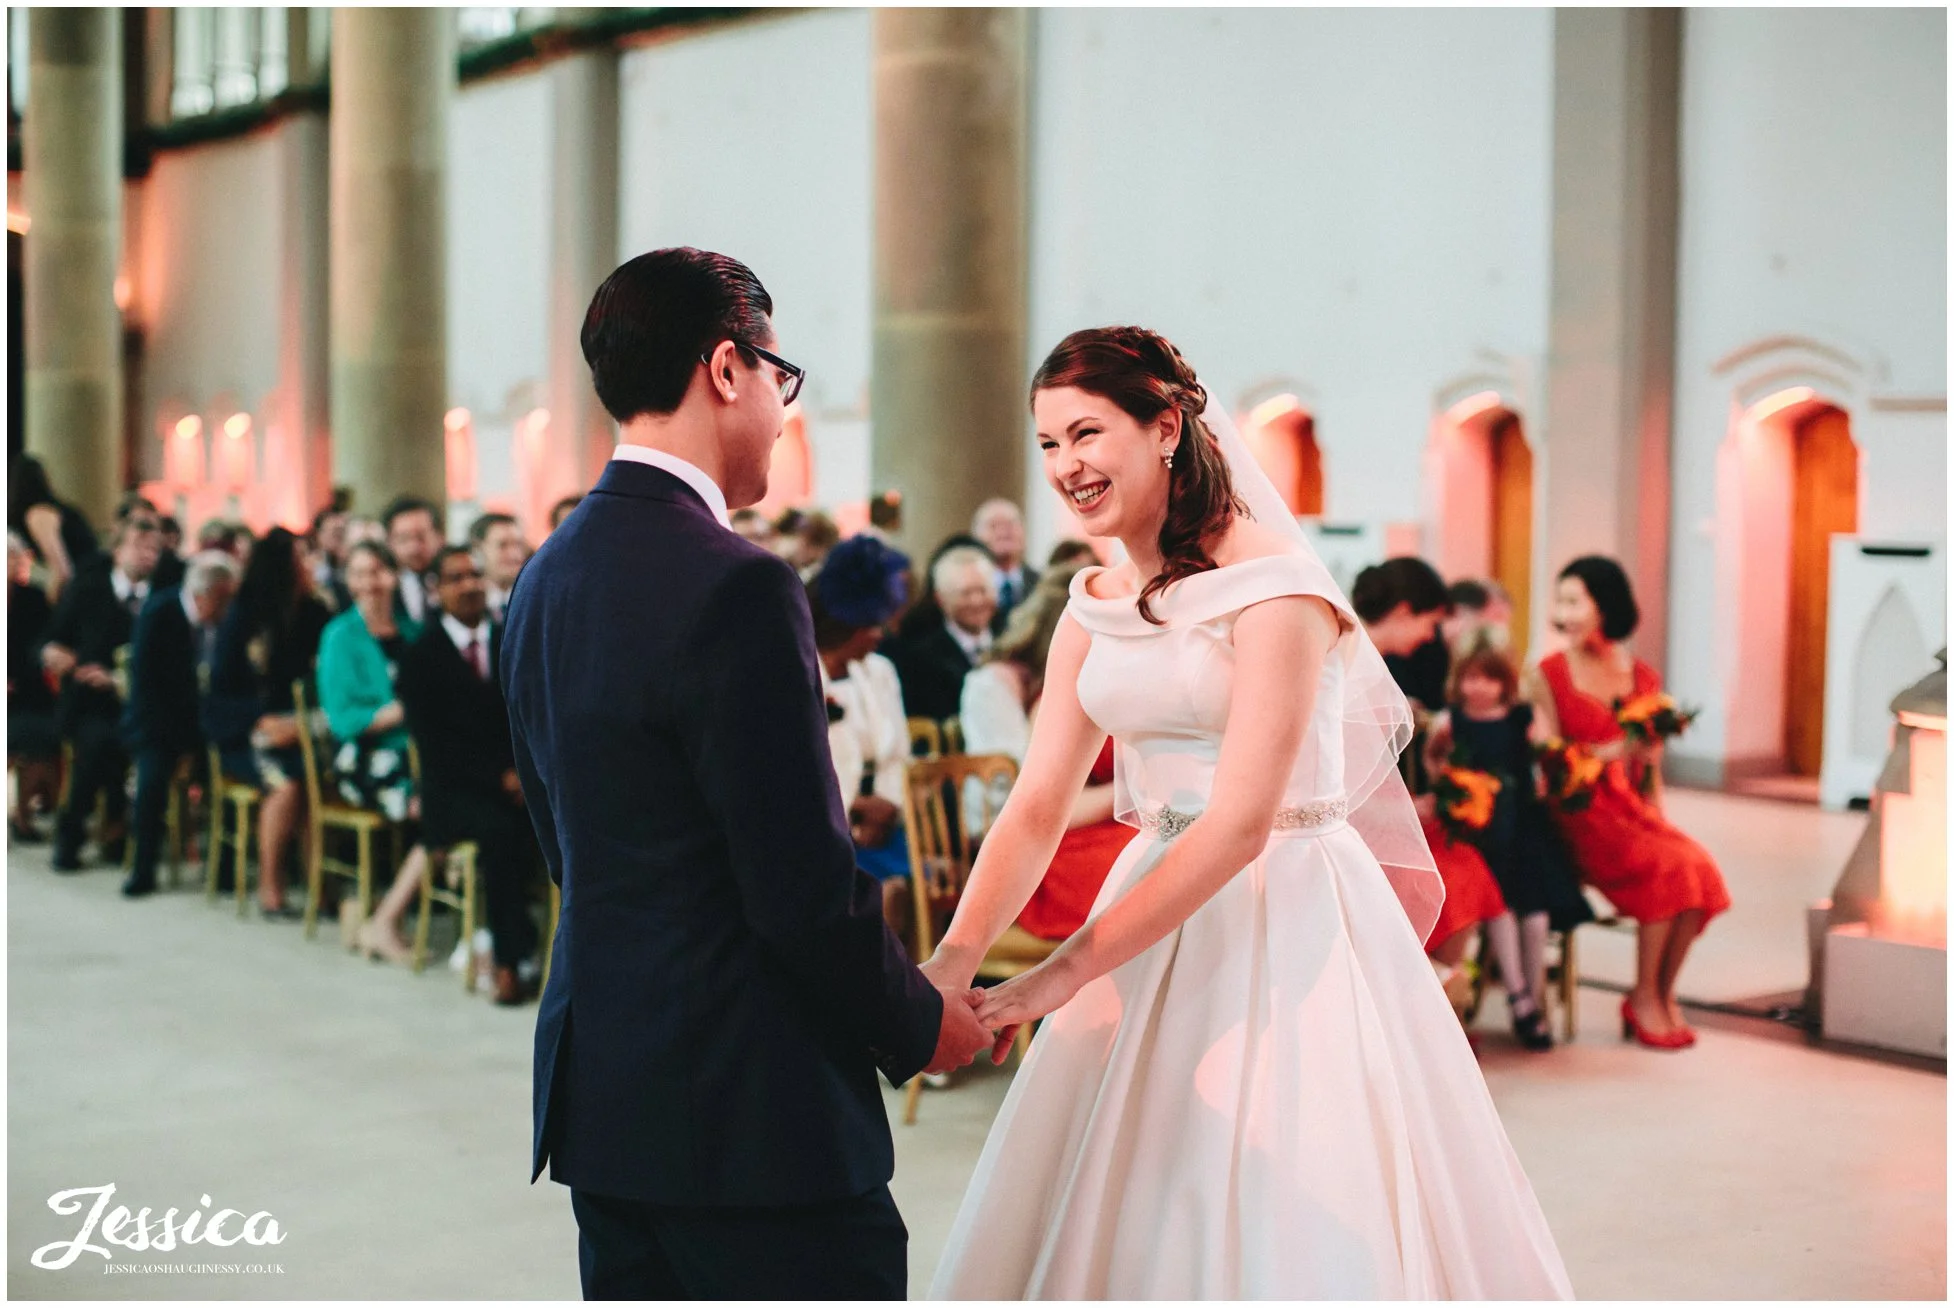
[(1649, 870), (1000, 701)]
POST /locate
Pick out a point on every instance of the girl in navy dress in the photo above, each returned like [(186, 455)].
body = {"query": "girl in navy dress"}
[(1487, 728)]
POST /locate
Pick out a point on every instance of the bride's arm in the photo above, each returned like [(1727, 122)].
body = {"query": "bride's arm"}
[(1280, 646), (1019, 847)]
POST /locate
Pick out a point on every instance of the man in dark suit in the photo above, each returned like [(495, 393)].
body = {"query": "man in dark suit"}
[(936, 655), (414, 535), (96, 615), (999, 524), (175, 635), (469, 789), (723, 987)]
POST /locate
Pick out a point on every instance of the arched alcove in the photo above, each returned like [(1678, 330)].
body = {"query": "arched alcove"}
[(1788, 482), (1479, 497), (1282, 434)]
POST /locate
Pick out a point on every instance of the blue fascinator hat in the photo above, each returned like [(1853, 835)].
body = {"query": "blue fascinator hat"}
[(863, 582)]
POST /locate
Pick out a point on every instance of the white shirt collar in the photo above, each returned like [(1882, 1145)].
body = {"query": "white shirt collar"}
[(973, 646), (190, 609), (124, 588), (688, 473), (462, 636)]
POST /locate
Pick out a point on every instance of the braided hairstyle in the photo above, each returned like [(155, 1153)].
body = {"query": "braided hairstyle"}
[(1142, 372)]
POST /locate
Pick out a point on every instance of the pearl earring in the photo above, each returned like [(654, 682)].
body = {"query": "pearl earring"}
[(1167, 458)]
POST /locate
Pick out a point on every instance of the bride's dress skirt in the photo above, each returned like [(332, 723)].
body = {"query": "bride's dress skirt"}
[(1275, 1101)]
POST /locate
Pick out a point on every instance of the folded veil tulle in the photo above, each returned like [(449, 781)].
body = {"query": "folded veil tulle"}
[(1377, 722)]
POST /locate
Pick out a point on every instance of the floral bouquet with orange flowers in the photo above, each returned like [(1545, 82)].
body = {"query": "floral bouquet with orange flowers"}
[(1570, 773), (1653, 718), (1465, 798)]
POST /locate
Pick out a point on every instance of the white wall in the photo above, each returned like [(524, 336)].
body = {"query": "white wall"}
[(754, 140), (498, 263), (207, 280), (1350, 201), (1814, 205)]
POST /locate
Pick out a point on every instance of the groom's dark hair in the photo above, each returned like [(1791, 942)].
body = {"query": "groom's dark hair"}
[(652, 318)]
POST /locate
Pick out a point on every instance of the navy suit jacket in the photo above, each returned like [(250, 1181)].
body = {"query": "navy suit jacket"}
[(162, 712), (723, 987)]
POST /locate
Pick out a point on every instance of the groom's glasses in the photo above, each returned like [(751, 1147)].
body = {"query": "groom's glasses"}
[(791, 375)]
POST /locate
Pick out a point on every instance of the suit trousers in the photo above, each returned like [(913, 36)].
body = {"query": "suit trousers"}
[(101, 767), (849, 1249), (506, 862), (154, 768)]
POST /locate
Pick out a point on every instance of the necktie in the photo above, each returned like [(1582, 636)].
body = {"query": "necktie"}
[(477, 656)]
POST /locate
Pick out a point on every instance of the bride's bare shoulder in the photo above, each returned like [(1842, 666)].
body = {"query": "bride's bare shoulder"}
[(1247, 539)]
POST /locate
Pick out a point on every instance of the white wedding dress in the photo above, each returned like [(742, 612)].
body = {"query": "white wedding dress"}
[(1275, 1101)]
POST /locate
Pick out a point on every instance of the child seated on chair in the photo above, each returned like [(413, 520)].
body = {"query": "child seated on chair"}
[(1486, 729)]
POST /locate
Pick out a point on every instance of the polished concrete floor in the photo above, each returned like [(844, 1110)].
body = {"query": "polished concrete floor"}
[(382, 1118)]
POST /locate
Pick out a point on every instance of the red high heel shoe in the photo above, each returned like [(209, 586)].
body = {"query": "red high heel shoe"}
[(1632, 1029)]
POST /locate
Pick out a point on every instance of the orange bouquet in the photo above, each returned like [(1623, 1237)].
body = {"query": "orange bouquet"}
[(1653, 718), (1570, 773), (1465, 798)]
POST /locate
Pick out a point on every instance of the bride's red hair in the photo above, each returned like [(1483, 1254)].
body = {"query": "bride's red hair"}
[(1142, 372)]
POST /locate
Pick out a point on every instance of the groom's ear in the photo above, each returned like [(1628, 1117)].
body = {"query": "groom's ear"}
[(720, 374)]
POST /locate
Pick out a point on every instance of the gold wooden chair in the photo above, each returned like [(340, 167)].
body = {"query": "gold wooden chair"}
[(939, 802), (925, 738), (238, 799), (953, 735), (457, 869), (1563, 983), (365, 826)]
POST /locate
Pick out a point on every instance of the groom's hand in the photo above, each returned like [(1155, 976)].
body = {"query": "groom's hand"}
[(961, 1037)]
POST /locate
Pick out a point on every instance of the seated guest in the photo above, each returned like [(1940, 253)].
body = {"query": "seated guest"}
[(1477, 606), (450, 683), (329, 545), (175, 636), (999, 524), (1072, 553), (753, 525), (414, 530), (934, 659), (33, 743), (168, 573), (1624, 846), (96, 615), (1418, 602), (498, 540), (359, 660), (562, 509), (220, 535), (1000, 704), (813, 536), (860, 587), (360, 654), (268, 640), (1400, 602)]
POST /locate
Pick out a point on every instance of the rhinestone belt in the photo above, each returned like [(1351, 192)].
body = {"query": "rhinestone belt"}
[(1168, 823)]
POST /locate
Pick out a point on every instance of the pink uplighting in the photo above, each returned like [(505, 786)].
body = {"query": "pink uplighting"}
[(183, 453), (459, 431), (235, 456)]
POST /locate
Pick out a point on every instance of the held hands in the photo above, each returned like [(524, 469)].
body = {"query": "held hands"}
[(870, 820), (1026, 998), (961, 1037), (95, 675)]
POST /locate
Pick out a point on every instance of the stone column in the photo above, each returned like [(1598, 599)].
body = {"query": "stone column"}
[(947, 392), (583, 251), (393, 73), (72, 182), (1612, 326)]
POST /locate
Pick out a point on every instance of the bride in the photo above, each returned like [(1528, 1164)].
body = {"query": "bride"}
[(1248, 1083)]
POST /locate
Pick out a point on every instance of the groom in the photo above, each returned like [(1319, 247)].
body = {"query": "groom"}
[(723, 989)]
